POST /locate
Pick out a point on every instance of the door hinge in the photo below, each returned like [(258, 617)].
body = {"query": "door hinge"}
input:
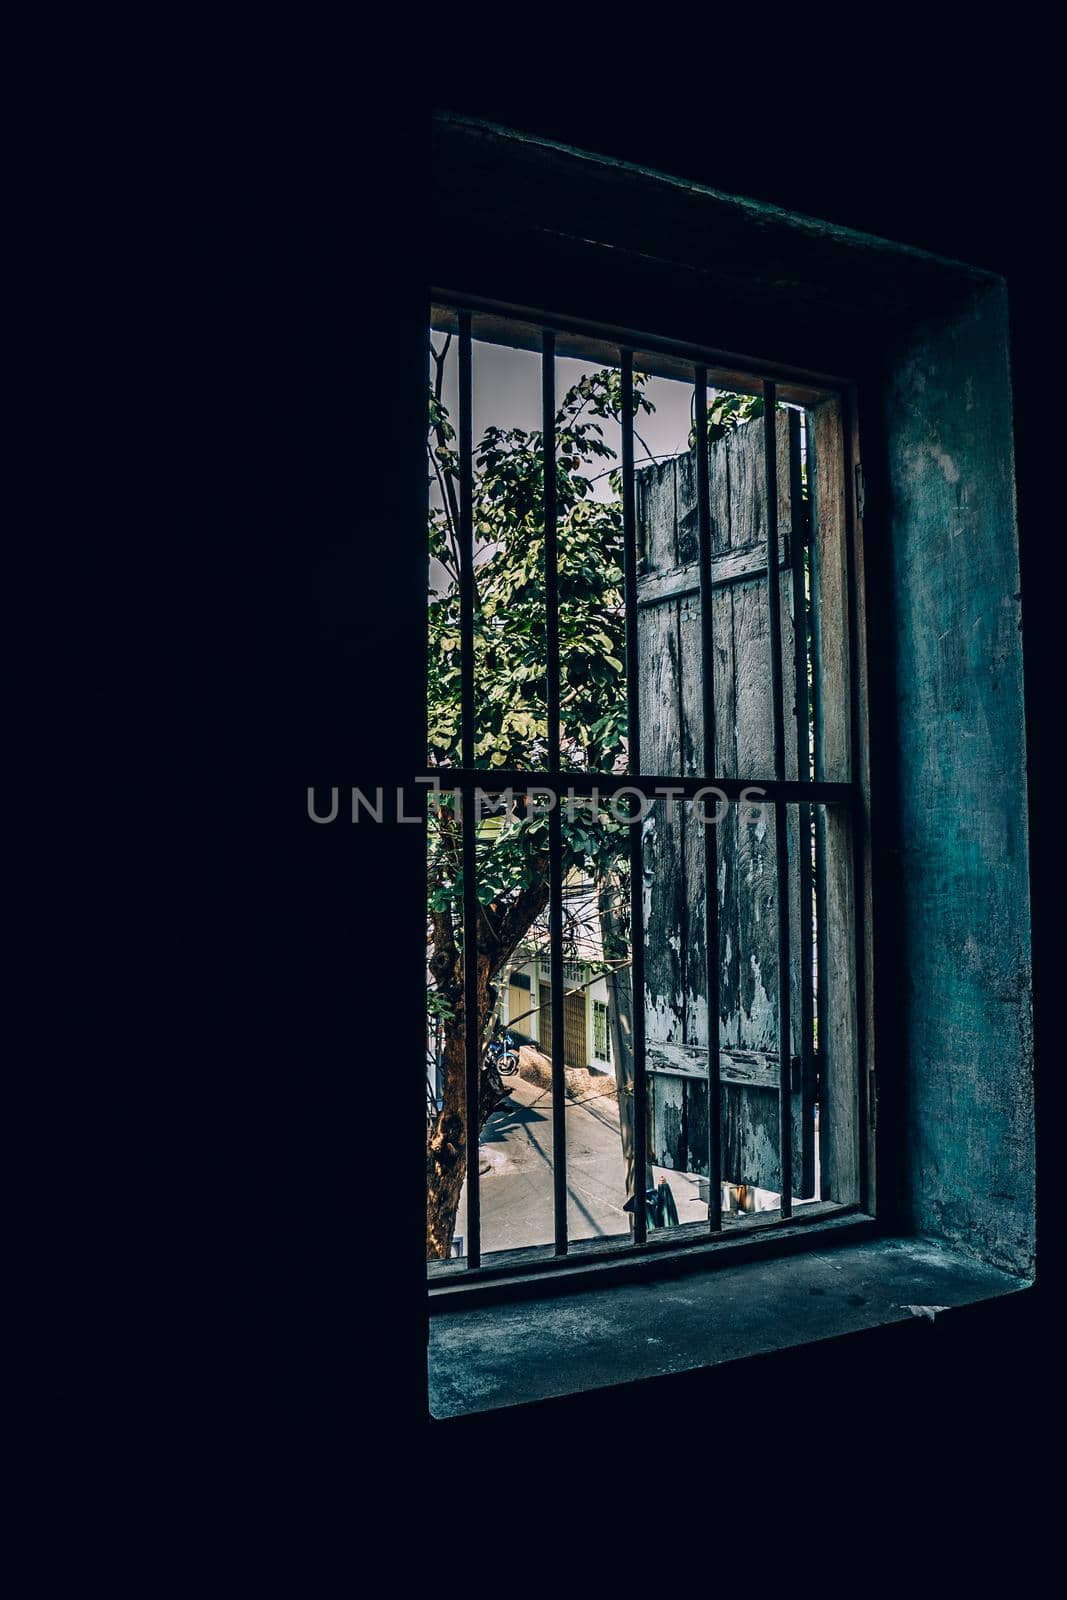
[(859, 489)]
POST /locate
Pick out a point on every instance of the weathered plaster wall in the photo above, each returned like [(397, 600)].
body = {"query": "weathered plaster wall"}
[(965, 1025)]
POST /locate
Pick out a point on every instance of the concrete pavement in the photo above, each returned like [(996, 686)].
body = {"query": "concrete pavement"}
[(516, 1164)]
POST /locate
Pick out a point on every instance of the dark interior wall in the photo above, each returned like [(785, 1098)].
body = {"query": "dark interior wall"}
[(295, 950), (965, 1045)]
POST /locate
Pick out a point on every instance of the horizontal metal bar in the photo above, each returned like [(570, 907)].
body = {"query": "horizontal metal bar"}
[(608, 784), (641, 340), (537, 1269)]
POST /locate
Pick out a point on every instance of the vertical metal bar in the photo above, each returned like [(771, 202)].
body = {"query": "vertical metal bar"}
[(555, 821), (471, 1020), (774, 603), (633, 737), (466, 543), (805, 955), (826, 1110), (822, 957), (814, 565), (781, 844), (865, 1109), (797, 544), (548, 454), (711, 853), (629, 534), (559, 1081)]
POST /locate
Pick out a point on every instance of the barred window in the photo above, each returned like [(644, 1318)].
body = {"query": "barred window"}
[(641, 655), (601, 1032)]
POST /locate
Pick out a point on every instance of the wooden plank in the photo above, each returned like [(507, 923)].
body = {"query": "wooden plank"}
[(670, 584), (840, 1128), (656, 516), (802, 1104), (693, 872), (730, 566), (668, 1123), (663, 911), (659, 669), (750, 917), (757, 1069), (696, 1127), (691, 700), (754, 757), (660, 689), (743, 451), (830, 588), (785, 591), (837, 1030), (750, 1152), (687, 538), (659, 682), (725, 762), (719, 487), (803, 1099)]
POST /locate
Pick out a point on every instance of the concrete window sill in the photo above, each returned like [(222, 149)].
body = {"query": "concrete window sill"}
[(485, 1358)]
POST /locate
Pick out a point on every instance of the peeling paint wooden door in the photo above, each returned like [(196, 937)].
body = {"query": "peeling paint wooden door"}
[(673, 846), (544, 1017), (575, 1048)]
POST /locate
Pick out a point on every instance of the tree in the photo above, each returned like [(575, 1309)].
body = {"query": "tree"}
[(511, 719), (511, 727)]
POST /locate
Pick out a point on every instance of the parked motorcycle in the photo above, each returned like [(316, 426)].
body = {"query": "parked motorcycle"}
[(502, 1054)]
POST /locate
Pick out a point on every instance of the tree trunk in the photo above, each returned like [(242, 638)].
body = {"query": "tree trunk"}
[(446, 1151), (446, 1147), (614, 934)]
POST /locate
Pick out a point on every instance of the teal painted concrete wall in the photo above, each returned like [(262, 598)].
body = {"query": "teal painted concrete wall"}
[(966, 1023)]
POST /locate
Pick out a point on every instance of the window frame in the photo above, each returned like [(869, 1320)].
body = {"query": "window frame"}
[(698, 1243)]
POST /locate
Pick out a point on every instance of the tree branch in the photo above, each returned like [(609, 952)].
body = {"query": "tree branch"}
[(448, 487)]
